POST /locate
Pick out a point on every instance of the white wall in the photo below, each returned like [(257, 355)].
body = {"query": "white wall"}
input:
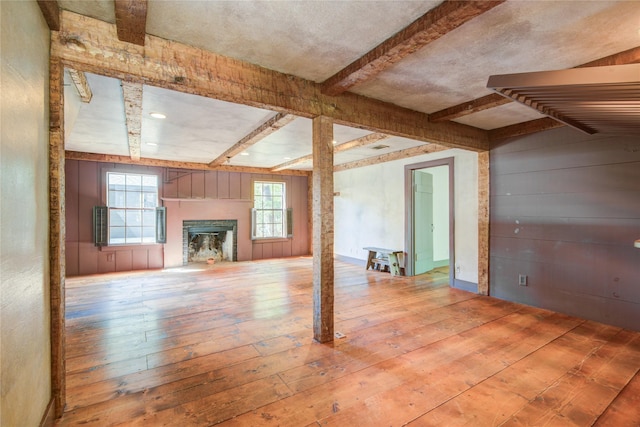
[(370, 209), (25, 352)]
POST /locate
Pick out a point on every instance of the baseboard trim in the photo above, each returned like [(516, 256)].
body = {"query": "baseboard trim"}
[(440, 263), (350, 260), (465, 286), (48, 418)]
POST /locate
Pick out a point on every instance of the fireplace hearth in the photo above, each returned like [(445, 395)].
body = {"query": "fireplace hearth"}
[(209, 241)]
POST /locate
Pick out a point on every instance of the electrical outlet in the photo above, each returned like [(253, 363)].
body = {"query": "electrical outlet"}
[(523, 280)]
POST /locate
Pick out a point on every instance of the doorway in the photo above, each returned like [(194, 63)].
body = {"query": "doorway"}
[(429, 222)]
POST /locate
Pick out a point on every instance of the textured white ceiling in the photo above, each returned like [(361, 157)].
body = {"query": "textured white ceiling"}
[(314, 40)]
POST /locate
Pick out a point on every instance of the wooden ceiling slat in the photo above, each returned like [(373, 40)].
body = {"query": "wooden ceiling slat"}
[(565, 80), (131, 20), (434, 24), (592, 92)]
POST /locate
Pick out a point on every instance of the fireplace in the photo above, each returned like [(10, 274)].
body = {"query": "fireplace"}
[(209, 240)]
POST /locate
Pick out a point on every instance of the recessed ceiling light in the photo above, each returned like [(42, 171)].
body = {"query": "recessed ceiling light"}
[(334, 142), (158, 115), (153, 144), (287, 158), (244, 153)]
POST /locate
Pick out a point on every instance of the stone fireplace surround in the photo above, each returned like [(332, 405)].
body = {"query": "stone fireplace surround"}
[(208, 226)]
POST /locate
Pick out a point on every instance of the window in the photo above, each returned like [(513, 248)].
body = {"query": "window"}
[(269, 210), (132, 200)]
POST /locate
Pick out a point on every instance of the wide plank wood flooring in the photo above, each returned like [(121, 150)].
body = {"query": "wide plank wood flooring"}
[(232, 344)]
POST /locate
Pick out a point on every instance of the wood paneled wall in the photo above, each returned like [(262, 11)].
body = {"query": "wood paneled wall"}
[(565, 211), (84, 190), (237, 185)]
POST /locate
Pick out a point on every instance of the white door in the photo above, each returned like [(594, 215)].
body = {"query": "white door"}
[(423, 222)]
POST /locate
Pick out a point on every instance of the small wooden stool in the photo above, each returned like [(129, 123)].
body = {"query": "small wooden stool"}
[(385, 259)]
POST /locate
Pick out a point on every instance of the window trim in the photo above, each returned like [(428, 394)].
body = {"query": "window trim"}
[(104, 182), (285, 212)]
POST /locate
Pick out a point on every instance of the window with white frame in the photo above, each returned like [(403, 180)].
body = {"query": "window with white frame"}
[(269, 212), (132, 199)]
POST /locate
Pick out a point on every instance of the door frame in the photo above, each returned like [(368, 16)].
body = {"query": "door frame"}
[(409, 216)]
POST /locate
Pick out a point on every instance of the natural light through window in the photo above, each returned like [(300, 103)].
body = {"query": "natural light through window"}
[(269, 210), (132, 201)]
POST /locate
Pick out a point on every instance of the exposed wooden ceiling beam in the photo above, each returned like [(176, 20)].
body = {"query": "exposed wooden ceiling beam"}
[(131, 20), (109, 158), (434, 24), (358, 142), (631, 56), (79, 80), (51, 12), (290, 163), (395, 155), (132, 94), (470, 107), (267, 128), (90, 45), (525, 128)]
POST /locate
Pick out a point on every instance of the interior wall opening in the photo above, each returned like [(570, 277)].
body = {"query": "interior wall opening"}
[(430, 220)]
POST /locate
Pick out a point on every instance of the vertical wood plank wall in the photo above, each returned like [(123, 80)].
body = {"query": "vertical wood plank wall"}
[(565, 211), (84, 190)]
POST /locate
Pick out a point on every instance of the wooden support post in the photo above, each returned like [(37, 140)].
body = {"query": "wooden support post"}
[(483, 223), (323, 229), (57, 232)]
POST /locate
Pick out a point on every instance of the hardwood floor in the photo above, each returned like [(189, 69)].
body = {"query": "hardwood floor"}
[(232, 343)]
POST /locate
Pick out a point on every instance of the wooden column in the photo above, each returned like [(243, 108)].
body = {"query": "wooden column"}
[(57, 232), (483, 223), (322, 229)]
